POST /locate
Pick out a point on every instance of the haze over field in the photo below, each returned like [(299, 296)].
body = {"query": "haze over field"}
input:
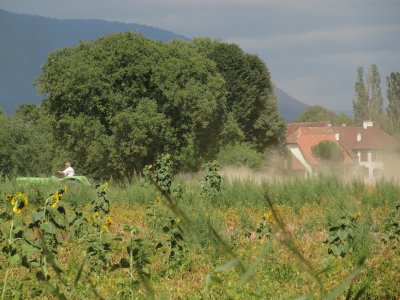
[(312, 48)]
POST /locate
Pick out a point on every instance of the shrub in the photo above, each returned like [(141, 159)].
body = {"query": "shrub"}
[(328, 151), (240, 155)]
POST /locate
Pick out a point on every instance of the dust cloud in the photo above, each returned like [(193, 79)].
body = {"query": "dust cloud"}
[(233, 173), (274, 169), (392, 166)]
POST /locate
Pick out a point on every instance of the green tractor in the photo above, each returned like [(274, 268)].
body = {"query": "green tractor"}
[(75, 180)]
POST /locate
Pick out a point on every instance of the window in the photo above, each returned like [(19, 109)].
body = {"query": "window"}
[(376, 156), (363, 156)]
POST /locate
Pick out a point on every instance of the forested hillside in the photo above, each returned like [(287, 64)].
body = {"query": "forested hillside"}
[(288, 106)]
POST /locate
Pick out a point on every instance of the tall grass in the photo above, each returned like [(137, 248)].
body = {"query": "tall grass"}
[(135, 191)]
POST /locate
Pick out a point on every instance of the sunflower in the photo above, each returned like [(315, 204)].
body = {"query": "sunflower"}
[(93, 218), (105, 186), (106, 225), (55, 199), (357, 215), (19, 201), (268, 216), (109, 221), (9, 198), (61, 192)]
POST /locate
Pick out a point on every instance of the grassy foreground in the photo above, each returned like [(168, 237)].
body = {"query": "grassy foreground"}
[(321, 238)]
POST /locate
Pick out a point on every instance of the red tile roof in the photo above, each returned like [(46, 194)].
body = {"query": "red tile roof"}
[(372, 138), (292, 127), (293, 133), (306, 142), (296, 164)]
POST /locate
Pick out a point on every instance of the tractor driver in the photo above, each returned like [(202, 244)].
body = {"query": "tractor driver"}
[(68, 170)]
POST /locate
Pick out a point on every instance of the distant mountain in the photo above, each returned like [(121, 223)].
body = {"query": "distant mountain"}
[(288, 106), (26, 41)]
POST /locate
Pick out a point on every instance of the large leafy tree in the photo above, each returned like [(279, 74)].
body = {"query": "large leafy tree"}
[(35, 150), (250, 97), (368, 102), (138, 136), (393, 95), (7, 158), (118, 101), (317, 113), (25, 143)]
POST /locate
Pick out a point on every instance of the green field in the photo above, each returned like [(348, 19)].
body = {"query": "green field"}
[(129, 241)]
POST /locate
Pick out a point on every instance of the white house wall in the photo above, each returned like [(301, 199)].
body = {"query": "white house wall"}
[(295, 150), (371, 165)]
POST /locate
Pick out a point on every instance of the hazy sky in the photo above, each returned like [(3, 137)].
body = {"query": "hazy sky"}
[(312, 47)]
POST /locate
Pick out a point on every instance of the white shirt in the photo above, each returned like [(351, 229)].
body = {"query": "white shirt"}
[(69, 172)]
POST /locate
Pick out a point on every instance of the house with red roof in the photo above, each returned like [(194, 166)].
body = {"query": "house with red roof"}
[(362, 146)]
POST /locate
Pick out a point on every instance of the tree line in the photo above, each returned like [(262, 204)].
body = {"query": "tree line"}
[(114, 104), (368, 103)]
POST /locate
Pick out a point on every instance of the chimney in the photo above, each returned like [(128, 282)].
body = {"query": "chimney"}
[(367, 124), (337, 136), (358, 137)]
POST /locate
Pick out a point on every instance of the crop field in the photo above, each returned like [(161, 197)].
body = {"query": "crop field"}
[(205, 238)]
